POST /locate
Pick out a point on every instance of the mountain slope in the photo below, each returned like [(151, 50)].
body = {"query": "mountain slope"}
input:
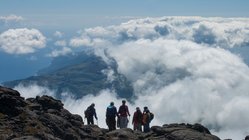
[(80, 75), (45, 118)]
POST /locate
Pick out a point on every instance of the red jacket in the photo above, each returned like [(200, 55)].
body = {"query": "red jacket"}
[(137, 117), (123, 111)]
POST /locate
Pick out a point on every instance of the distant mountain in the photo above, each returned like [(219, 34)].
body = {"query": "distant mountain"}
[(80, 74)]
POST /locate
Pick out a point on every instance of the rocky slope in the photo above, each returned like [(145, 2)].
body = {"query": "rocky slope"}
[(80, 74), (45, 118)]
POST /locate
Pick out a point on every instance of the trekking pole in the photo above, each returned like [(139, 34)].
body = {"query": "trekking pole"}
[(97, 122)]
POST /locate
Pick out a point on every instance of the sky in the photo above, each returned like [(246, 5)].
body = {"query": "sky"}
[(170, 57), (86, 13), (71, 17)]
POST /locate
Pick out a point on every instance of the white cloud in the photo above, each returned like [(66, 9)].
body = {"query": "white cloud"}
[(222, 32), (179, 67), (58, 34), (33, 90), (77, 42), (11, 18), (61, 43), (22, 41), (60, 52)]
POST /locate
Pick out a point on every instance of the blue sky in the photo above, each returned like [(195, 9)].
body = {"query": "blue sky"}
[(70, 16), (126, 7), (78, 13)]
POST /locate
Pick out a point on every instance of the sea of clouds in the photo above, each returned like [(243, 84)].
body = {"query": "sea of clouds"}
[(180, 67)]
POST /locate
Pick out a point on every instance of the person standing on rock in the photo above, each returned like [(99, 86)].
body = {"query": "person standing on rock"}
[(146, 119), (111, 113), (90, 112), (137, 119), (123, 112)]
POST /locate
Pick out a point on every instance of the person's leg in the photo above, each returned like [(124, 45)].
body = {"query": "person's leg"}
[(123, 122), (88, 121), (146, 128), (108, 123), (135, 126), (91, 120), (139, 127), (112, 124)]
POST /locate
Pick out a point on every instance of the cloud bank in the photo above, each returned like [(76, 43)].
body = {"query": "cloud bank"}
[(61, 43), (58, 34), (180, 67), (60, 52), (222, 32), (11, 18), (21, 41)]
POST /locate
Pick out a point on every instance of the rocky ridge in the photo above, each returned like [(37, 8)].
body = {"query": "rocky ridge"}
[(44, 118)]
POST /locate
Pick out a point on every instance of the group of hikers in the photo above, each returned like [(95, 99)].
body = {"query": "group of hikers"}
[(139, 118)]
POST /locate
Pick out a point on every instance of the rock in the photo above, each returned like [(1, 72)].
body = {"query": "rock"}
[(158, 130), (26, 138), (48, 102), (9, 91), (10, 102), (125, 133), (247, 137), (200, 128), (44, 118), (188, 132)]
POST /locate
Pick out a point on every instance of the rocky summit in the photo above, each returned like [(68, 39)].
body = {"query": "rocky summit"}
[(44, 118)]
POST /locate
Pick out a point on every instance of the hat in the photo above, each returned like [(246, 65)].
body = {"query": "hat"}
[(112, 103)]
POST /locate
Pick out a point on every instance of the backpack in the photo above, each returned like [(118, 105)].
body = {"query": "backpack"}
[(151, 116), (87, 112), (111, 111)]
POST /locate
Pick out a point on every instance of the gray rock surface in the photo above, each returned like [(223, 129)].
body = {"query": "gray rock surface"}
[(44, 118)]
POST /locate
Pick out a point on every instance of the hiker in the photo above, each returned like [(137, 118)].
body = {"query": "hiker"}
[(147, 118), (111, 113), (137, 119), (90, 112), (123, 112)]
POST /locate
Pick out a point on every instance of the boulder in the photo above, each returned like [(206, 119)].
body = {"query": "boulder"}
[(48, 102), (45, 118)]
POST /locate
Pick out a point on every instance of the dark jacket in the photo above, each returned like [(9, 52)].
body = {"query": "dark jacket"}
[(111, 112), (90, 112)]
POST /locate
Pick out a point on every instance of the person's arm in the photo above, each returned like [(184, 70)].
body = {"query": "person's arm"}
[(95, 114), (133, 118), (116, 112), (127, 110), (119, 110)]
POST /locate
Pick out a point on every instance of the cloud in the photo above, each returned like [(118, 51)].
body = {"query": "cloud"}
[(181, 67), (58, 34), (11, 18), (221, 32), (33, 90), (60, 52), (61, 43), (21, 41)]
